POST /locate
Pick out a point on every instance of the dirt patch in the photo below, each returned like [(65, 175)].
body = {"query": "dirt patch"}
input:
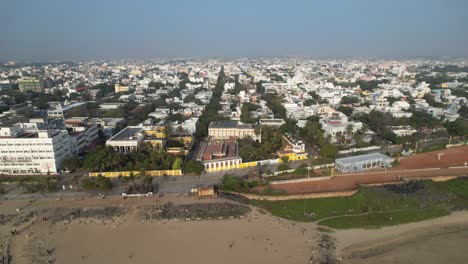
[(324, 253), (450, 157), (193, 211), (15, 220), (101, 214)]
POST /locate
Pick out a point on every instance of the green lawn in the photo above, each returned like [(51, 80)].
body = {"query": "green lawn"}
[(374, 207), (377, 220)]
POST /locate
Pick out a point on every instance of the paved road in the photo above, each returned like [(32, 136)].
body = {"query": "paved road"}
[(183, 184)]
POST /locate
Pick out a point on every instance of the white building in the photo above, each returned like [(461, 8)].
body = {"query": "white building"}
[(189, 125), (127, 140), (33, 152), (402, 131), (338, 124)]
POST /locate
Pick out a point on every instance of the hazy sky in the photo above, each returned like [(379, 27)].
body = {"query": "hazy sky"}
[(87, 29)]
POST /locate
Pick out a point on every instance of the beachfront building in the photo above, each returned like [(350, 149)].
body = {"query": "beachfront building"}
[(131, 137), (219, 154), (29, 152), (363, 162), (127, 140)]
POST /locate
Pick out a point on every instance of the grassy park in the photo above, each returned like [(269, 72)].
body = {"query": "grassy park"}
[(375, 207)]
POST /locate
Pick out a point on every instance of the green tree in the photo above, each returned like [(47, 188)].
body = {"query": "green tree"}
[(312, 133), (177, 165), (348, 111), (458, 127), (194, 166), (246, 116), (463, 111), (329, 151), (349, 100), (72, 164), (230, 183)]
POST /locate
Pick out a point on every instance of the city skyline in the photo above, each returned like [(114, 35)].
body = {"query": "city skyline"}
[(63, 30)]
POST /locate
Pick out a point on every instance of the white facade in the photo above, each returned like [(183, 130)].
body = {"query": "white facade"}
[(39, 152), (402, 131), (189, 125), (338, 124), (127, 140)]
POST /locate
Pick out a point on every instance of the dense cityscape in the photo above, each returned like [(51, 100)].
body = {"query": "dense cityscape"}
[(209, 115), (259, 132)]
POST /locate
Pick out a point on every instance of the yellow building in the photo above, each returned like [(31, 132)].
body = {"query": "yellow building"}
[(156, 136), (135, 72), (156, 131), (182, 137), (118, 88), (156, 142), (228, 129)]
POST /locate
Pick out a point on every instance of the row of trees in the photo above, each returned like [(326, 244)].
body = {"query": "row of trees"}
[(212, 109), (146, 157)]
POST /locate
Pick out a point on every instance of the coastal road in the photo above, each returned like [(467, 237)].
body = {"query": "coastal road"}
[(183, 184)]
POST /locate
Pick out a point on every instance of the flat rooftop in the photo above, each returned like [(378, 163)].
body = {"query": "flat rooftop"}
[(127, 133), (223, 124), (230, 124)]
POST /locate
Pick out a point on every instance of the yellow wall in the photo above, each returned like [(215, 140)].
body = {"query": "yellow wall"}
[(113, 174), (155, 133), (184, 140), (292, 157), (120, 88)]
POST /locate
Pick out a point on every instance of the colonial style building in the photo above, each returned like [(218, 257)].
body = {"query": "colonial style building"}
[(219, 154), (229, 129)]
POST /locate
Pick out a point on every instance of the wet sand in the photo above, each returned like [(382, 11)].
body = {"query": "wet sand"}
[(441, 240)]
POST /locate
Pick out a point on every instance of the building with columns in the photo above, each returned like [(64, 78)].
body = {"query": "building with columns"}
[(219, 154), (127, 140), (229, 129)]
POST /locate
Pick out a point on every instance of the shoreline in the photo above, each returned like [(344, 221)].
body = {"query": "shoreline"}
[(361, 245)]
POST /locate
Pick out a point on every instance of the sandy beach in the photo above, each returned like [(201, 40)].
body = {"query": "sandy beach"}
[(38, 232), (256, 238), (441, 240)]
